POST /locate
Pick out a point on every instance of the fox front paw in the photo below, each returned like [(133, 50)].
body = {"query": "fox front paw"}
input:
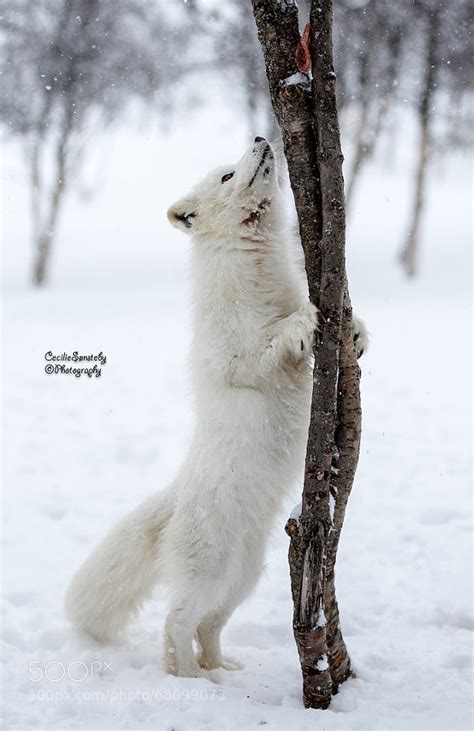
[(361, 336), (300, 331)]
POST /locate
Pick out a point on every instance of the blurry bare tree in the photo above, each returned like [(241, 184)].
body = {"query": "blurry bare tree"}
[(390, 55), (369, 39), (442, 100), (69, 65), (425, 108)]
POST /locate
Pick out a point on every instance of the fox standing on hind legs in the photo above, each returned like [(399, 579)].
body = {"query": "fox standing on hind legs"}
[(204, 536)]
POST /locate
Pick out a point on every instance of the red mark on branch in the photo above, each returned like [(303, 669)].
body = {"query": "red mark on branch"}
[(303, 56)]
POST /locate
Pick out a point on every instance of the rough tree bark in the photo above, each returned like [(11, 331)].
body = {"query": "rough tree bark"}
[(409, 253), (307, 114), (347, 440)]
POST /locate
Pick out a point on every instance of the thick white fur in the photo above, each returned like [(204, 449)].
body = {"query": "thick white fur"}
[(251, 362)]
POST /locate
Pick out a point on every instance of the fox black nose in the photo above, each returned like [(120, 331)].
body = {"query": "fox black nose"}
[(259, 139)]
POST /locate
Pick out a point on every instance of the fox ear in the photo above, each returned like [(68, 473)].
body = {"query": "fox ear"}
[(182, 213)]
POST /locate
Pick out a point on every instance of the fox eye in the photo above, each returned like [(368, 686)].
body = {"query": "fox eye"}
[(227, 177)]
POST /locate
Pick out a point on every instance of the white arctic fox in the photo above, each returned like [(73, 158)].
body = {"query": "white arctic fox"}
[(205, 535)]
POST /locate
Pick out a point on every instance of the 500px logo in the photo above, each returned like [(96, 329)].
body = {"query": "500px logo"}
[(77, 671)]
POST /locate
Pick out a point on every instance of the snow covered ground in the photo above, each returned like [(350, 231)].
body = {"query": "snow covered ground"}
[(79, 452)]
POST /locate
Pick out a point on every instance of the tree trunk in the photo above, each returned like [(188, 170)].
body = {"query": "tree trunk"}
[(35, 186), (307, 114), (348, 433), (43, 234), (44, 240), (409, 253), (277, 25)]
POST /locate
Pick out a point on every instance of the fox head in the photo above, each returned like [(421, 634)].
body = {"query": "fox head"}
[(233, 201)]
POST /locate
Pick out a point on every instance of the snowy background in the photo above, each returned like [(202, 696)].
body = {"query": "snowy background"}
[(78, 453)]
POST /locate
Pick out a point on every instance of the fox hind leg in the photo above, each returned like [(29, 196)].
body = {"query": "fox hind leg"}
[(180, 628), (210, 628), (208, 637)]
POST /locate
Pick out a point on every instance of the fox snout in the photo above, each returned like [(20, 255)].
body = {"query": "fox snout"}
[(263, 159), (261, 146)]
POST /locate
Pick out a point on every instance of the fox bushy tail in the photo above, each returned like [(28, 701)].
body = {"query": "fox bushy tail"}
[(121, 572)]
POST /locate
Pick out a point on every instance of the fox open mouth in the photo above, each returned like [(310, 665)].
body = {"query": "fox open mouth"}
[(266, 152)]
